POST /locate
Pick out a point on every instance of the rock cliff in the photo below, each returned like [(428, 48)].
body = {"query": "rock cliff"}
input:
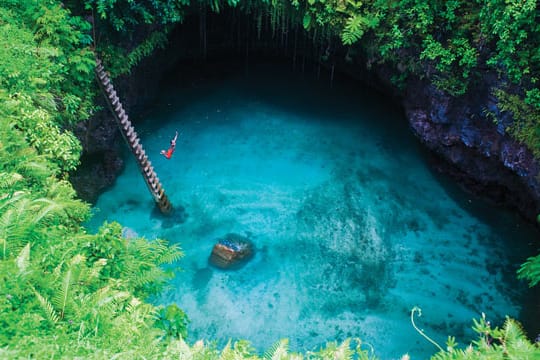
[(473, 148)]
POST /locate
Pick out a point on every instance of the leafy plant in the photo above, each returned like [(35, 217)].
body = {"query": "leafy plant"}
[(508, 342), (530, 270), (526, 125), (173, 321)]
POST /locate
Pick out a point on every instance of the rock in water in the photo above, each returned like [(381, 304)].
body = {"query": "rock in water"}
[(231, 251)]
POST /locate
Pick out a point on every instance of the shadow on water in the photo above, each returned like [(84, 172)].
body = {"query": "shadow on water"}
[(511, 230), (177, 216), (275, 83)]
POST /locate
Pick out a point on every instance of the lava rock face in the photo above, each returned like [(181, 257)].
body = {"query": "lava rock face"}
[(97, 172), (231, 252), (477, 151)]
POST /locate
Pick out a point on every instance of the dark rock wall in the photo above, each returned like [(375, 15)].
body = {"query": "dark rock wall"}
[(475, 151)]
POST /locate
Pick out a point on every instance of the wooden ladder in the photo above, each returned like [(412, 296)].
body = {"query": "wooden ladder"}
[(130, 136)]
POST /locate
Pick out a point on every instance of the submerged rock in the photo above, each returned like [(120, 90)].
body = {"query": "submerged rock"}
[(231, 251)]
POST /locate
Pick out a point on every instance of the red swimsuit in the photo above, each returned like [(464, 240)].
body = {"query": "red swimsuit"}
[(169, 153)]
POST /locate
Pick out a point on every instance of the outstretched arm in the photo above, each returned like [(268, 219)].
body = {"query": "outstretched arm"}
[(173, 141)]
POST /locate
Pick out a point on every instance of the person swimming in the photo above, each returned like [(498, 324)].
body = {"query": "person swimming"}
[(168, 154)]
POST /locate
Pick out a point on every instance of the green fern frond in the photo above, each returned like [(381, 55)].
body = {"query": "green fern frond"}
[(512, 331), (75, 272), (34, 169), (6, 228), (8, 180), (23, 260), (168, 254), (47, 307), (96, 269), (516, 340), (227, 353), (50, 208), (60, 190), (344, 351), (278, 351), (106, 295), (6, 202), (57, 271), (60, 298), (16, 227), (530, 270), (152, 275)]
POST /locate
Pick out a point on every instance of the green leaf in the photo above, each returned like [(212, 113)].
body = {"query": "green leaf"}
[(307, 21)]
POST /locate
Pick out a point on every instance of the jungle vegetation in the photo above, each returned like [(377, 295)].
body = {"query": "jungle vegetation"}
[(67, 293)]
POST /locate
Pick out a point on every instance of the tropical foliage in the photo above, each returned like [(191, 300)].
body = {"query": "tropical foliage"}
[(44, 76), (66, 293)]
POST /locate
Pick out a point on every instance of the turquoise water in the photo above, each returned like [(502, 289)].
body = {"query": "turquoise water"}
[(352, 229)]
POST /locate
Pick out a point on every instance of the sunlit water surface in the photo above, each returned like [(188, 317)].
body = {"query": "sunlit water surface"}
[(352, 229)]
